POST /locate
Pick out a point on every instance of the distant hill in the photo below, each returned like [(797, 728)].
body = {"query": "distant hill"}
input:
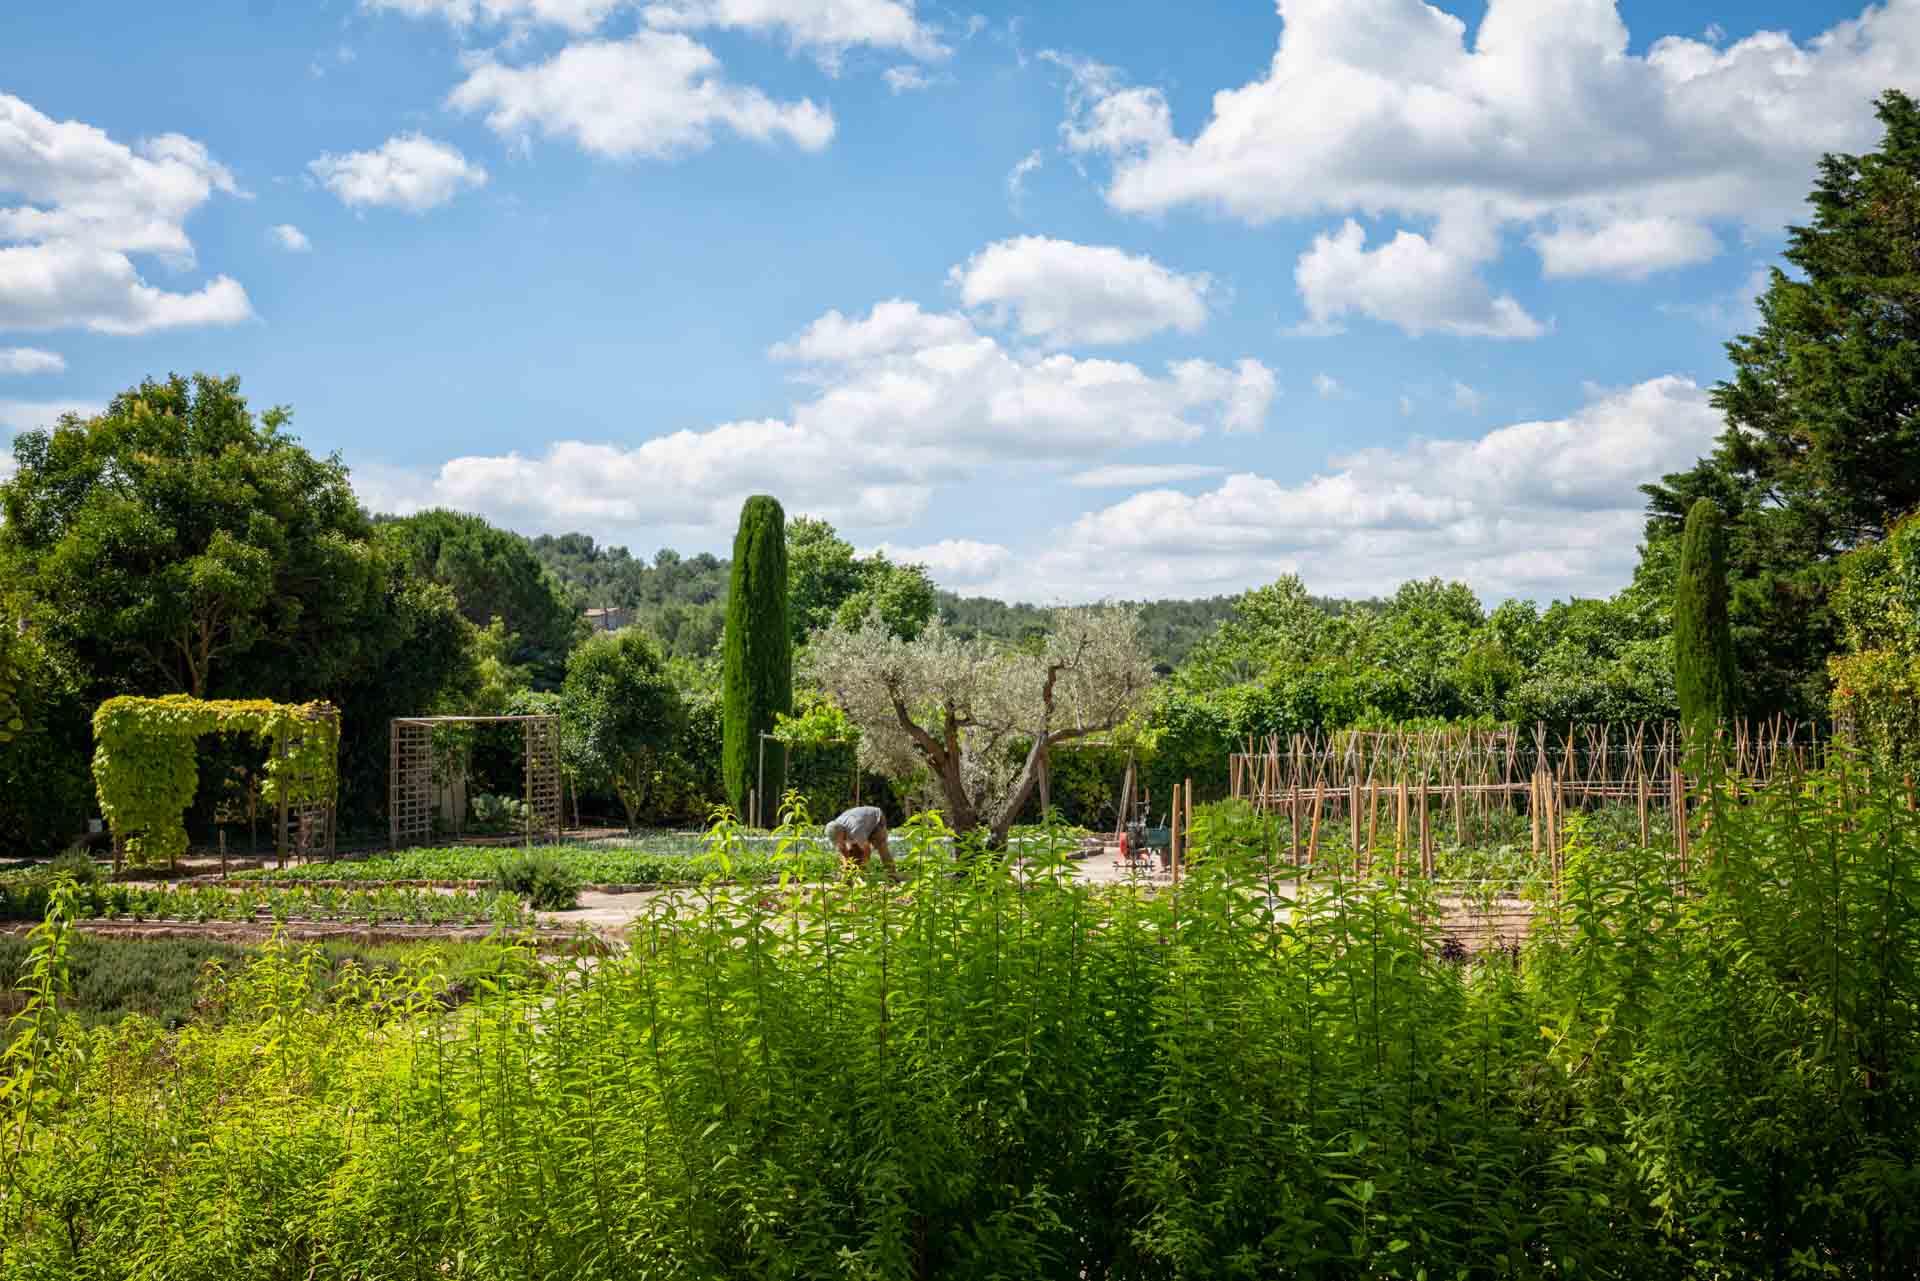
[(682, 600)]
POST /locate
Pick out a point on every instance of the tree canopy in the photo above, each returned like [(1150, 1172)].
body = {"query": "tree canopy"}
[(828, 580), (494, 574), (1703, 671), (1821, 450), (177, 542), (978, 717), (621, 713)]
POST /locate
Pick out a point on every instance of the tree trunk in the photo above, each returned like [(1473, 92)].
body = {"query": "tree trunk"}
[(1021, 793)]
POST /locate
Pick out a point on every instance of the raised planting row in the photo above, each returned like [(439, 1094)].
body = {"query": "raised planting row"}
[(24, 898), (589, 864), (670, 858)]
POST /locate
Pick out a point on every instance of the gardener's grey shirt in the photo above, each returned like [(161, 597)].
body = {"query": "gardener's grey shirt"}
[(859, 824)]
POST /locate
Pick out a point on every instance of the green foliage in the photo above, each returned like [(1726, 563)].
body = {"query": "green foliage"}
[(78, 866), (163, 541), (488, 812), (143, 761), (757, 664), (679, 858), (1170, 628), (547, 883), (621, 715), (1821, 452), (497, 578), (827, 581), (1876, 686), (1702, 642), (45, 791), (28, 898), (679, 600), (112, 978), (177, 542), (990, 1074)]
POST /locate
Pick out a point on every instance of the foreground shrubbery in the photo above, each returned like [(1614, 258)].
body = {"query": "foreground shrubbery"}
[(974, 1077)]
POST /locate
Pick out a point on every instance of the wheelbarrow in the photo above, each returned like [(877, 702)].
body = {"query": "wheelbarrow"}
[(1141, 845)]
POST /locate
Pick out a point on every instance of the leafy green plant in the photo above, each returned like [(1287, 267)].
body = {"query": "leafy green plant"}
[(542, 880), (490, 813)]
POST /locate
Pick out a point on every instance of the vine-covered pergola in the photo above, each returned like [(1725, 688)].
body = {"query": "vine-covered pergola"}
[(145, 768), (411, 774)]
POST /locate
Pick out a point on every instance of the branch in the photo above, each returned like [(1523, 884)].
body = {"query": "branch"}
[(929, 748)]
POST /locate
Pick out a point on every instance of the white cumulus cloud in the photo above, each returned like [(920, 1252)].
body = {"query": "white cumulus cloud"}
[(824, 28), (953, 562), (657, 94), (290, 238), (572, 15), (1066, 293), (1017, 176), (1420, 285), (1137, 475), (1632, 248), (1529, 508), (33, 415), (88, 204), (31, 360), (898, 403), (409, 171), (1545, 117)]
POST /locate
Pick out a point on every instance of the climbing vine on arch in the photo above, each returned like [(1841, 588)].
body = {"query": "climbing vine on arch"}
[(145, 751)]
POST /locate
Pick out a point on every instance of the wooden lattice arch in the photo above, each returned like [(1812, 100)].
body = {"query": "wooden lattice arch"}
[(411, 788)]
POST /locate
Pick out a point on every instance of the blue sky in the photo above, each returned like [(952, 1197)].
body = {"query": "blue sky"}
[(1007, 289)]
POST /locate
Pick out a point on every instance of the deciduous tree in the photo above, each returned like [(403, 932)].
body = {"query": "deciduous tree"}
[(620, 715), (980, 717)]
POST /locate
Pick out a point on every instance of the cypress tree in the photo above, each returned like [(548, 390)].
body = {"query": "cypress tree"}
[(757, 658), (1703, 672)]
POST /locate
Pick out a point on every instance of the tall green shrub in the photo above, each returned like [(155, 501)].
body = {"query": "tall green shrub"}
[(757, 660), (1702, 639)]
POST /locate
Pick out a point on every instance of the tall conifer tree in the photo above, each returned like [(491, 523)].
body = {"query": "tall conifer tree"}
[(1703, 669), (757, 661)]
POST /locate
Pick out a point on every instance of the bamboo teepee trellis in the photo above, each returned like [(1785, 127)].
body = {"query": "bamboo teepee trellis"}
[(1394, 791)]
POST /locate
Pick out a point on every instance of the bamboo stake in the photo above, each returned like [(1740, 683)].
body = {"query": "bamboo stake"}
[(1313, 835), (1293, 816), (1533, 809), (1400, 829), (1644, 841), (1423, 829), (1173, 835), (1187, 809)]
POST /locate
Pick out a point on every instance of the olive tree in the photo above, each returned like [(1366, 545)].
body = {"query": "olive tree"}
[(980, 717)]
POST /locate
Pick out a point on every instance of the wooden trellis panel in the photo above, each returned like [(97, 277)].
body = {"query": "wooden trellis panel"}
[(544, 814), (410, 784)]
